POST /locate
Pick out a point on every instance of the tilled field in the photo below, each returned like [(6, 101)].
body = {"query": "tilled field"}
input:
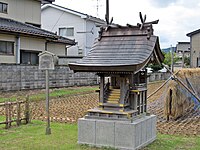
[(188, 124), (68, 109)]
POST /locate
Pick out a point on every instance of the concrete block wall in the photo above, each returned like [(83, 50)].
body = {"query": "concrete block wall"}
[(158, 76), (19, 77)]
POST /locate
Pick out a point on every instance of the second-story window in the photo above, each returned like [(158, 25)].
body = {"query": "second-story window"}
[(66, 32), (3, 8)]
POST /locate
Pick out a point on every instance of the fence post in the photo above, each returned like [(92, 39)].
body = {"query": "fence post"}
[(9, 114), (27, 112), (6, 113), (18, 114)]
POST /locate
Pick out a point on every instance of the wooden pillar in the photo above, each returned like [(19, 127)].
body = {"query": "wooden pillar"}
[(102, 80), (142, 101), (138, 103), (113, 81), (7, 114), (27, 112), (122, 89), (135, 101), (145, 101), (18, 114)]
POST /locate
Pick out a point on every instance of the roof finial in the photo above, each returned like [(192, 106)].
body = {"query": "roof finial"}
[(142, 20), (143, 23)]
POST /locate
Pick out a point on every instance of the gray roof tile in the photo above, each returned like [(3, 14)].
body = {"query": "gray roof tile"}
[(118, 47), (9, 25)]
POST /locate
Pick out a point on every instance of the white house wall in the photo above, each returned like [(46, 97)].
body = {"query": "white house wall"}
[(8, 58), (23, 11), (90, 37), (32, 44), (53, 19), (195, 49), (58, 49)]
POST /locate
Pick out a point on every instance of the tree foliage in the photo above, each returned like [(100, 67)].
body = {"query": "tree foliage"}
[(168, 58), (187, 61)]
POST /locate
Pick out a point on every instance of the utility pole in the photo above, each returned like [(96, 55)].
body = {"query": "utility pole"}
[(183, 55), (107, 11), (172, 59)]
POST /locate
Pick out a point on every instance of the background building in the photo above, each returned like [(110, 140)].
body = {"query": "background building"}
[(72, 24), (182, 52), (195, 48), (21, 38)]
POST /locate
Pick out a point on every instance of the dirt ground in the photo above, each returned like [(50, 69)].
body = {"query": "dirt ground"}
[(68, 109), (188, 124)]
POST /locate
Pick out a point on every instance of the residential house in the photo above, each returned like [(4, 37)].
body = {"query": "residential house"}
[(21, 38), (194, 48), (72, 24), (182, 51)]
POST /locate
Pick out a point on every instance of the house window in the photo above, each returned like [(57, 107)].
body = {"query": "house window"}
[(29, 57), (80, 52), (3, 8), (66, 31), (6, 48)]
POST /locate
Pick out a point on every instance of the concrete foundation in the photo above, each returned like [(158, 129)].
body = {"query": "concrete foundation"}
[(117, 134)]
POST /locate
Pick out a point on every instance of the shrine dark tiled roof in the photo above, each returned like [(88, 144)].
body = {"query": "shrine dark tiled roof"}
[(9, 25), (121, 49)]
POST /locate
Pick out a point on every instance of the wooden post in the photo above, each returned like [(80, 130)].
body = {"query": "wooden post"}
[(145, 97), (122, 89), (9, 114), (102, 80), (18, 114), (6, 113), (135, 101), (48, 129), (27, 117)]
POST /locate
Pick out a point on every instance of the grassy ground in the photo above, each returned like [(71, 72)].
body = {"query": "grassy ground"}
[(64, 136), (34, 96)]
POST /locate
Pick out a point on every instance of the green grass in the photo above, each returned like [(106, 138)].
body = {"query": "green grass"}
[(55, 93), (175, 142), (64, 136), (32, 136)]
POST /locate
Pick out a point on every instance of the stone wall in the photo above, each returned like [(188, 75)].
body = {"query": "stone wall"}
[(19, 77)]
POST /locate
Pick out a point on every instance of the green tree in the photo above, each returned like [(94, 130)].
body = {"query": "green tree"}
[(187, 61), (168, 58), (155, 67)]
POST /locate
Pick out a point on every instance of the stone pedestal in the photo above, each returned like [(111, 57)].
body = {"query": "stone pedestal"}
[(117, 134)]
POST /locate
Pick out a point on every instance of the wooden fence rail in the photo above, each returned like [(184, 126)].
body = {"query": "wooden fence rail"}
[(16, 109)]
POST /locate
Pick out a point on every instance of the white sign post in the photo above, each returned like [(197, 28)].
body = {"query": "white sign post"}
[(47, 62)]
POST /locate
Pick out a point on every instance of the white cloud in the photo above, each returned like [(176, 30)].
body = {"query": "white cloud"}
[(177, 17)]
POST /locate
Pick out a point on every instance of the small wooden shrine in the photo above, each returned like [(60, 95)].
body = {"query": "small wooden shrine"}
[(119, 57)]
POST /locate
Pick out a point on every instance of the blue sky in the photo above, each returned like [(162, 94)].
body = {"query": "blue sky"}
[(177, 17)]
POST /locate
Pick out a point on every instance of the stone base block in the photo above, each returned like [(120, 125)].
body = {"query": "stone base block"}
[(117, 134)]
